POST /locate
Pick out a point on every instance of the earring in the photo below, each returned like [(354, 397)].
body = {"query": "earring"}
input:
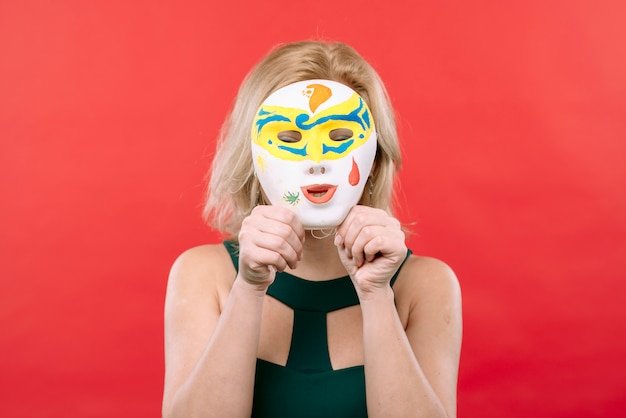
[(371, 191)]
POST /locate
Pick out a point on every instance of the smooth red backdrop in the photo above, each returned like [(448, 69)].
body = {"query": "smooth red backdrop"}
[(512, 117)]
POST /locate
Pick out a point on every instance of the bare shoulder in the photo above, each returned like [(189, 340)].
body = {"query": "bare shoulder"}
[(424, 273), (196, 260), (203, 271), (426, 281)]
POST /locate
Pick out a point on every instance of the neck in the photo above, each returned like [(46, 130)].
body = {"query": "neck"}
[(320, 260)]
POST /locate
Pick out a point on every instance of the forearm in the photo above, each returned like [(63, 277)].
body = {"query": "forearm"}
[(396, 385), (222, 382)]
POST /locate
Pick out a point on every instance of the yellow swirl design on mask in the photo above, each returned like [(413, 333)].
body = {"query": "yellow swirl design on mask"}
[(316, 143)]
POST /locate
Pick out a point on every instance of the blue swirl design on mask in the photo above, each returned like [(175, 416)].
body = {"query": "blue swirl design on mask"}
[(354, 116), (339, 149), (270, 117), (296, 151)]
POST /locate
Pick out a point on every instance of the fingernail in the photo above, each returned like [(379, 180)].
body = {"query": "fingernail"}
[(337, 239)]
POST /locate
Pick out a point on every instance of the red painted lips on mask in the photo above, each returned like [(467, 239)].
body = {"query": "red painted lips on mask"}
[(319, 193)]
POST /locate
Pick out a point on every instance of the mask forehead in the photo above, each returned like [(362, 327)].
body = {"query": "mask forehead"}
[(330, 120), (310, 96)]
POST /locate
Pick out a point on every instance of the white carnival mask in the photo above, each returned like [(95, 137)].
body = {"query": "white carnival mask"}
[(313, 147)]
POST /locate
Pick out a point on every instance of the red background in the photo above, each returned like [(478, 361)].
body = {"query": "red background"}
[(512, 123)]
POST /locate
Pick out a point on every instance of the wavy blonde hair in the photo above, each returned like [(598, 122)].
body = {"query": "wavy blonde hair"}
[(233, 189)]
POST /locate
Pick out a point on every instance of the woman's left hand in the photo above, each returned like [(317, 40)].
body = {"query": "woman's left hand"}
[(371, 247)]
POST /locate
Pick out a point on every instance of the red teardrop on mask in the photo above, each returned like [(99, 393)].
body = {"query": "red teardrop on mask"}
[(354, 176)]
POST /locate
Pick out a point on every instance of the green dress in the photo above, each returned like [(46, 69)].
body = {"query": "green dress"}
[(308, 386)]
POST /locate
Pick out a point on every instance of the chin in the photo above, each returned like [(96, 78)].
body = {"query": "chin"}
[(322, 220)]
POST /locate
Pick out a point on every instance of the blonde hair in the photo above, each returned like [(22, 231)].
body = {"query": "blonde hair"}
[(233, 189)]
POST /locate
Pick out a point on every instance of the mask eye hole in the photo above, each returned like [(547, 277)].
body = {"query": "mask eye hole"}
[(289, 136), (340, 134)]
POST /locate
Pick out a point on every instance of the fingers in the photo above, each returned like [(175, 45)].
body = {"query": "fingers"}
[(271, 237), (368, 233), (273, 248), (282, 232)]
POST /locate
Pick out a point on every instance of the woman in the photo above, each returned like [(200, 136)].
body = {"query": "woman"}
[(299, 314)]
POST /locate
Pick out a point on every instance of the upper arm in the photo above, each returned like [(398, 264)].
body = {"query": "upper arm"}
[(192, 309), (434, 325)]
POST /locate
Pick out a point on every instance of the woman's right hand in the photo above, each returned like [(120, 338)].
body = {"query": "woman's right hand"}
[(270, 240)]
